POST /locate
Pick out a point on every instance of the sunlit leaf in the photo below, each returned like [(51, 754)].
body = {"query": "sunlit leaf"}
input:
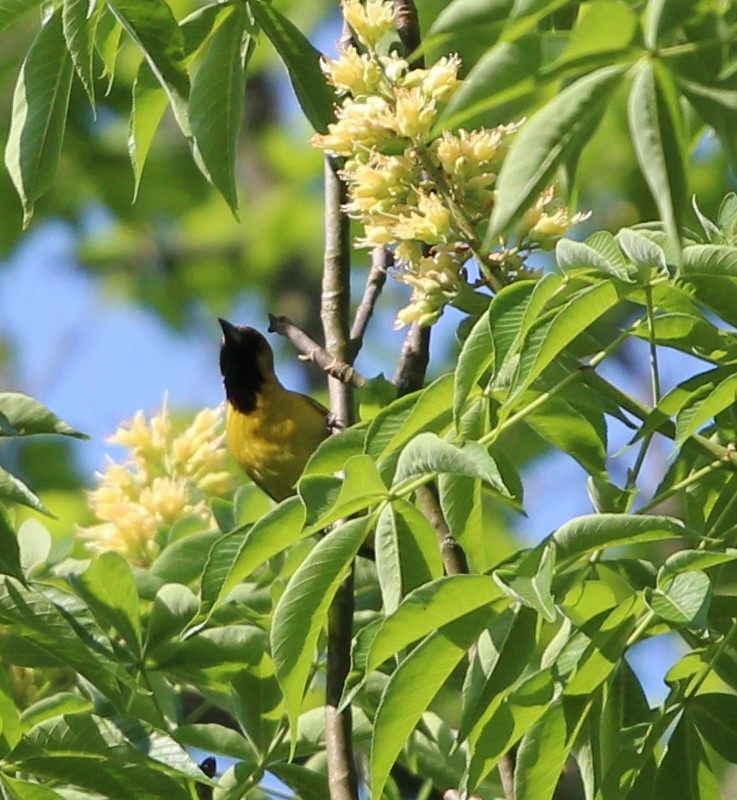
[(39, 114)]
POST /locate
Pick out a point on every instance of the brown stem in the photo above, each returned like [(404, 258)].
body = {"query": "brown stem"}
[(408, 28), (381, 259), (412, 366), (454, 556), (335, 305), (310, 350)]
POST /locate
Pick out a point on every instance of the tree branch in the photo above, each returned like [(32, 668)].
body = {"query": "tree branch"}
[(381, 259), (410, 374), (335, 305), (310, 350)]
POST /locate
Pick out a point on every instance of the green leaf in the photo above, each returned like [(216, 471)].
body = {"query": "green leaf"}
[(110, 590), (715, 716), (151, 24), (216, 103), (214, 738), (407, 553), (183, 560), (428, 608), (503, 73), (603, 27), (685, 771), (149, 105), (503, 653), (427, 454), (530, 582), (39, 114), (518, 712), (681, 599), (258, 701), (689, 560), (26, 790), (307, 784), (52, 630), (708, 260), (571, 255), (642, 252), (413, 686), (542, 755), (237, 555), (591, 532), (546, 341), (545, 142), (657, 134), (703, 406), (13, 490), (9, 550), (578, 431), (79, 32), (301, 612), (362, 487), (302, 61), (475, 358), (173, 608), (29, 417), (402, 420)]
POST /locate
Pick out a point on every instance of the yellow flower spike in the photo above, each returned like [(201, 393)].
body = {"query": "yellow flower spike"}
[(440, 81), (370, 21), (352, 72), (415, 114)]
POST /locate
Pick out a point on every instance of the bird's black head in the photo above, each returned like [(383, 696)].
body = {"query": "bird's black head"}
[(246, 359)]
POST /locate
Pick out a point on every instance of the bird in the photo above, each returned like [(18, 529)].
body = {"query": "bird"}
[(270, 431)]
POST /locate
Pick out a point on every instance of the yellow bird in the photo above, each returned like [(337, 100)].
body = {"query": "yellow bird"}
[(271, 432)]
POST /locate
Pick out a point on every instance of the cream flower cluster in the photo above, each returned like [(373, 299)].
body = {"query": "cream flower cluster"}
[(169, 476), (426, 194)]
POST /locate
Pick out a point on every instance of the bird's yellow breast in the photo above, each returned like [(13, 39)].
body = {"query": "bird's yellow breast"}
[(273, 442)]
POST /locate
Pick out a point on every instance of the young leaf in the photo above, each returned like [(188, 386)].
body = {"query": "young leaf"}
[(407, 554), (149, 105), (426, 609), (9, 550), (412, 688), (531, 580), (685, 771), (591, 532), (547, 340), (110, 590), (427, 454), (715, 716), (151, 24), (571, 255), (13, 490), (79, 32), (236, 555), (503, 73), (656, 130), (302, 61), (40, 104), (545, 747), (681, 599), (29, 417), (216, 103), (545, 142), (300, 614), (475, 358)]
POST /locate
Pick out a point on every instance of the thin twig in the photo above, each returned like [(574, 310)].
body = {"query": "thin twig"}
[(381, 259), (408, 28), (310, 350), (454, 556), (412, 365)]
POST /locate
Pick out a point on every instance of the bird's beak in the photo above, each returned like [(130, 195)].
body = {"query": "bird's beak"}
[(230, 332)]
